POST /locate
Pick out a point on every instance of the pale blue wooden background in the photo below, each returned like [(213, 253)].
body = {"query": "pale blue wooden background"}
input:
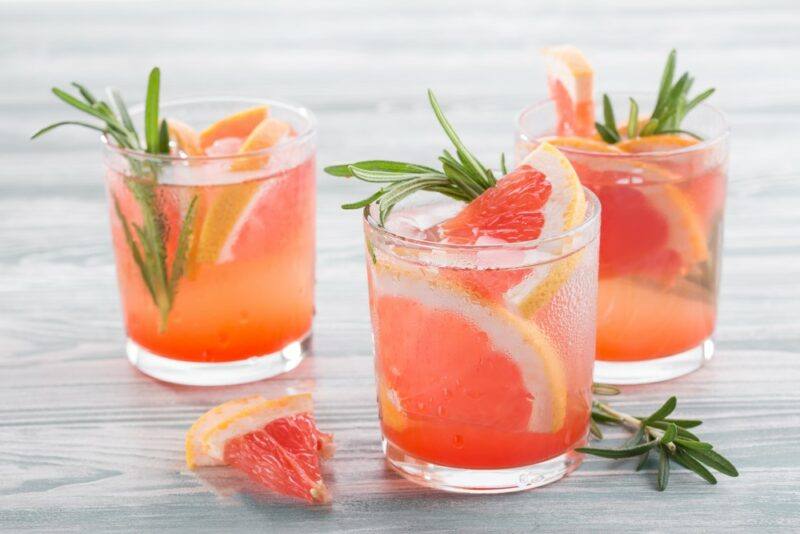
[(87, 443)]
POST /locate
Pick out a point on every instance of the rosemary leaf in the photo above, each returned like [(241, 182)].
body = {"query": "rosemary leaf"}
[(666, 80), (667, 408), (643, 460), (714, 460), (365, 202), (137, 255), (629, 452), (663, 469), (122, 109), (608, 116), (64, 123), (690, 463), (633, 119), (163, 138), (594, 428), (694, 445), (87, 95), (345, 171), (474, 164), (182, 250), (151, 133), (606, 134)]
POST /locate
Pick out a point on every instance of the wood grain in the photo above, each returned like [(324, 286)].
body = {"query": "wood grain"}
[(88, 443)]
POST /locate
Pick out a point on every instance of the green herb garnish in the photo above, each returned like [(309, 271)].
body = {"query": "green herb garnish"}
[(657, 433), (462, 177), (672, 105), (146, 241)]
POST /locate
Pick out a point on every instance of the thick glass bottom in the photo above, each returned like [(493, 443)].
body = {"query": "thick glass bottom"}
[(656, 370), (218, 374), (479, 480)]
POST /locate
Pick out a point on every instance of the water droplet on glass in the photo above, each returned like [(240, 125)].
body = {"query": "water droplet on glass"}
[(458, 441)]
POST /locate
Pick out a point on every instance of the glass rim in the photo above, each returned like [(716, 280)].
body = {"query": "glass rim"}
[(302, 111), (591, 218), (703, 144)]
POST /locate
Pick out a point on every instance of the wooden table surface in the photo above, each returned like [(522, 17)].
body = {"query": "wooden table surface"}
[(88, 443)]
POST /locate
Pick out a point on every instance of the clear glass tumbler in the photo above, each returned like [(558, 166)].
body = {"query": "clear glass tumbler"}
[(660, 244), (483, 354), (215, 254)]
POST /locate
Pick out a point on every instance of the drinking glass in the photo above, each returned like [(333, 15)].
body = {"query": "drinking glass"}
[(483, 353), (215, 254), (660, 244)]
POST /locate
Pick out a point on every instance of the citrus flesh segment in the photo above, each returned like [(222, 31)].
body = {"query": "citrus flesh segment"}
[(267, 134), (464, 382), (186, 139), (634, 314), (511, 211), (570, 81), (283, 456), (237, 125), (251, 418)]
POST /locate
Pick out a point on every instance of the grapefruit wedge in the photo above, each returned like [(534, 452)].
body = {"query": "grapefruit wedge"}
[(487, 367), (570, 81), (238, 125), (229, 209), (274, 441), (185, 138), (542, 197)]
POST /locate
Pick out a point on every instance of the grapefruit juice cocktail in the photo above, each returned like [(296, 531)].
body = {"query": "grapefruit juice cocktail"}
[(213, 230), (483, 318), (234, 205), (663, 195)]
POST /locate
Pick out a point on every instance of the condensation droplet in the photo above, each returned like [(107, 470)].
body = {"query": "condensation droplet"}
[(458, 441)]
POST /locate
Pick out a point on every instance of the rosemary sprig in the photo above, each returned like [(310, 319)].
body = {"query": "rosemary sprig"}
[(462, 177), (146, 240), (671, 107), (660, 434)]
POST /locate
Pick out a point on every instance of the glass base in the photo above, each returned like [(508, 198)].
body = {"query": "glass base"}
[(458, 480), (655, 370), (218, 374)]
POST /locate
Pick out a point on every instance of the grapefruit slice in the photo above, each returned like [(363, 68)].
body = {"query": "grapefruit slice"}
[(186, 139), (540, 198), (268, 133), (231, 206), (275, 442), (487, 366), (570, 80), (238, 125), (195, 453), (584, 144), (668, 236)]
